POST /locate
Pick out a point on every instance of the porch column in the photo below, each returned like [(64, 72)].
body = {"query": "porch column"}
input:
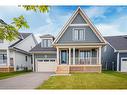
[(8, 57), (73, 56), (99, 55), (33, 62), (58, 56), (69, 56)]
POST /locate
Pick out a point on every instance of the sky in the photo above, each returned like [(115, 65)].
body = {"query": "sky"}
[(109, 20)]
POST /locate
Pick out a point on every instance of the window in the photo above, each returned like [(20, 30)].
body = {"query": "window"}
[(26, 58), (3, 58), (46, 43), (79, 34), (1, 41)]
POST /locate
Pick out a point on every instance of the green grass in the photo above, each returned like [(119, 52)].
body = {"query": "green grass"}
[(104, 80), (11, 74)]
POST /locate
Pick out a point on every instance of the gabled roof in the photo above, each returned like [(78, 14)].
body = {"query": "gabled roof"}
[(47, 36), (22, 37), (86, 18), (117, 42), (39, 49)]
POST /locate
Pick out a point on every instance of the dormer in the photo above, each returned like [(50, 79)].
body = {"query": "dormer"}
[(46, 40)]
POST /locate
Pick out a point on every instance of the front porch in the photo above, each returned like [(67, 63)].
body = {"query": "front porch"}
[(78, 59)]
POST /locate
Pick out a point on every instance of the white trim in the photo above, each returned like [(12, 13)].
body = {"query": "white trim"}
[(118, 61), (121, 51), (69, 56), (99, 55), (92, 26), (78, 25), (58, 56), (79, 10), (84, 32), (73, 56), (33, 61), (8, 57)]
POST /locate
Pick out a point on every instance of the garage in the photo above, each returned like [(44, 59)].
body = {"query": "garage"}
[(46, 65), (124, 64)]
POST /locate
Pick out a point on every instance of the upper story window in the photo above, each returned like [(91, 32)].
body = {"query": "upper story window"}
[(79, 34), (1, 41), (46, 43)]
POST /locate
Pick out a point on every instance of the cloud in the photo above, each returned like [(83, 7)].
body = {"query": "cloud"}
[(116, 27), (96, 12)]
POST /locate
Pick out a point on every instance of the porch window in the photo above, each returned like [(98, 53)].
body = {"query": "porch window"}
[(3, 58), (79, 34)]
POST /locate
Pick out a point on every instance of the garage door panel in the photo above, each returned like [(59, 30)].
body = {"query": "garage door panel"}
[(123, 64), (46, 67)]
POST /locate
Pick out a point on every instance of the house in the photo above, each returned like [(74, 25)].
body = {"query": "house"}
[(14, 55), (77, 48), (114, 54)]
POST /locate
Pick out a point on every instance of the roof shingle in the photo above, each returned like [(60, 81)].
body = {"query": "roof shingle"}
[(118, 42)]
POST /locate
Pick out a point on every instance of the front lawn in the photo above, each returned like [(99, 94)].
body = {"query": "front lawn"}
[(11, 74), (105, 80)]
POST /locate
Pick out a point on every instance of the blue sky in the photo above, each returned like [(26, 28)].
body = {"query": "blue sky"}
[(110, 20)]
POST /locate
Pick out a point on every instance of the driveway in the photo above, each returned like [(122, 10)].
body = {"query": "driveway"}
[(26, 81)]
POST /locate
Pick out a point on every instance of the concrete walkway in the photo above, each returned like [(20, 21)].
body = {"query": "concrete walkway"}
[(26, 81)]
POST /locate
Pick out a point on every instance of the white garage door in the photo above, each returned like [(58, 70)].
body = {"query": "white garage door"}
[(46, 65), (123, 64)]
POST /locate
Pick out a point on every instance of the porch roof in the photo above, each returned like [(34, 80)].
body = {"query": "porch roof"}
[(40, 49)]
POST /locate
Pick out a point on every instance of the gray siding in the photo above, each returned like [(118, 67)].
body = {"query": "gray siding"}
[(90, 36), (109, 58), (120, 56), (43, 55), (79, 20)]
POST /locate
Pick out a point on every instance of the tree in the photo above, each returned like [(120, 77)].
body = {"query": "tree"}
[(10, 31)]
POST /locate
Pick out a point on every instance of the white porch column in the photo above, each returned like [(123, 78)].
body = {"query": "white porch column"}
[(8, 57), (69, 56), (73, 56), (118, 61), (33, 61), (58, 56), (99, 55)]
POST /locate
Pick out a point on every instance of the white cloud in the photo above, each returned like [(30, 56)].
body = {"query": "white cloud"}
[(116, 27), (94, 12)]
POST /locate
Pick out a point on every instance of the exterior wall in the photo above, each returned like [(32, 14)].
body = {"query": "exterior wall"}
[(20, 61), (90, 36), (109, 58), (27, 44), (120, 56), (6, 43), (45, 55), (79, 20)]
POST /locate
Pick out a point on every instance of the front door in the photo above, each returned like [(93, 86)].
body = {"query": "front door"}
[(64, 57)]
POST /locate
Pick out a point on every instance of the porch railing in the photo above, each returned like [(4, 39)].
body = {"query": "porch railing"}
[(85, 61)]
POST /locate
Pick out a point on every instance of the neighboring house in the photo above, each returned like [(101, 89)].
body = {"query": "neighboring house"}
[(77, 48), (114, 54), (15, 55)]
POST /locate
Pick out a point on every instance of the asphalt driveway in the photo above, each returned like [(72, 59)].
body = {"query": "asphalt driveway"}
[(26, 81)]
